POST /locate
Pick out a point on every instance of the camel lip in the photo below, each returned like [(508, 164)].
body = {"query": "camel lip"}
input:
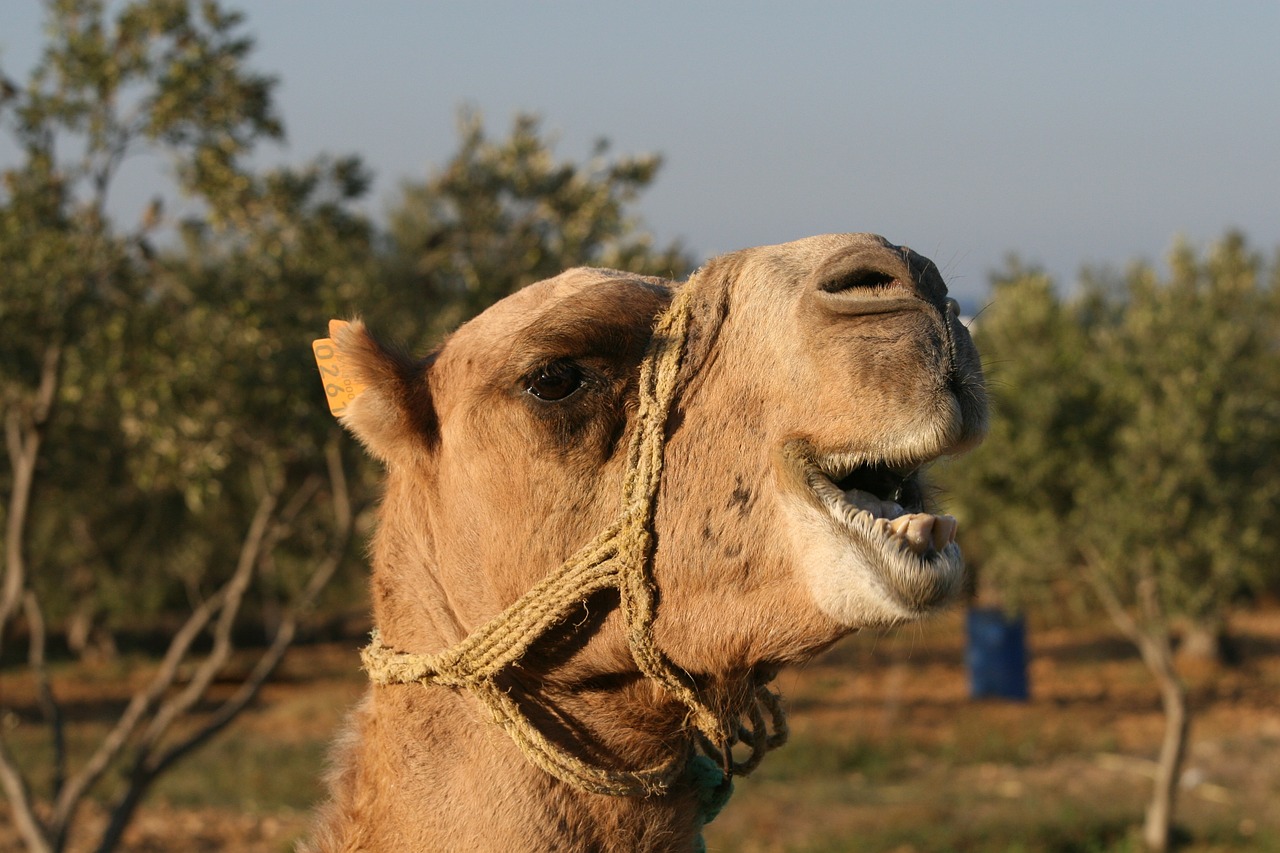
[(881, 504)]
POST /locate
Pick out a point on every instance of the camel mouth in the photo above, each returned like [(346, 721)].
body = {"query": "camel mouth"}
[(868, 550), (882, 504)]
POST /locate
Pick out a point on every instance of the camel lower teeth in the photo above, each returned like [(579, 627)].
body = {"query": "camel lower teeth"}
[(920, 531)]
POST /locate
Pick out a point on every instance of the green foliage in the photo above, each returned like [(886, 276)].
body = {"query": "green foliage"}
[(181, 390), (500, 215), (185, 388), (1136, 428), (1193, 491)]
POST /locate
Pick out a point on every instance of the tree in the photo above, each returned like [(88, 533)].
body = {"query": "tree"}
[(1136, 447), (500, 215), (155, 397), (160, 79)]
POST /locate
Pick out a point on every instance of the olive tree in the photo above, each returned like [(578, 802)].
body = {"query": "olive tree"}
[(1136, 448), (154, 420)]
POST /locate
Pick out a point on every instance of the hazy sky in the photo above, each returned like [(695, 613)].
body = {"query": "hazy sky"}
[(1071, 133)]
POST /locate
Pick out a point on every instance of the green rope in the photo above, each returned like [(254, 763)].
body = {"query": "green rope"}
[(713, 790)]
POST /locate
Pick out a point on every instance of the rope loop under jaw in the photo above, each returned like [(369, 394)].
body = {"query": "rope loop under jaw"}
[(619, 557)]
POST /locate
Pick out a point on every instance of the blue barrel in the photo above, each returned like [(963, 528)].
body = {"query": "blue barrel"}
[(997, 655)]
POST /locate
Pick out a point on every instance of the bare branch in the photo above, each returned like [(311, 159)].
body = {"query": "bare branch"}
[(22, 464), (145, 702), (1152, 609), (140, 705), (288, 629), (50, 377), (44, 689), (290, 512), (156, 763), (33, 832), (342, 515), (233, 596), (1150, 635), (35, 835), (1095, 575), (150, 762), (22, 441)]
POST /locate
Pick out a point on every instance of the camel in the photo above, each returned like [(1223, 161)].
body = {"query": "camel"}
[(615, 506)]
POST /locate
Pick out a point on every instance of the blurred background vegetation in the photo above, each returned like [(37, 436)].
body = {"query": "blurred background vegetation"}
[(175, 489)]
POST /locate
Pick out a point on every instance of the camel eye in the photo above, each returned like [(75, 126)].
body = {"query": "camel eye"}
[(555, 382)]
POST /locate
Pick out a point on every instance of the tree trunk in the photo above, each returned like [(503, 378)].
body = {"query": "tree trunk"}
[(1157, 829), (1152, 636)]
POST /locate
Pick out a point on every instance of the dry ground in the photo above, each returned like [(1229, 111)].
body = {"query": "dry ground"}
[(890, 754), (887, 754)]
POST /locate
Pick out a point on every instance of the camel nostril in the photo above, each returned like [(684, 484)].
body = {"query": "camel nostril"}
[(860, 279)]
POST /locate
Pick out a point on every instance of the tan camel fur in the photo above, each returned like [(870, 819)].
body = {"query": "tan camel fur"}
[(819, 376)]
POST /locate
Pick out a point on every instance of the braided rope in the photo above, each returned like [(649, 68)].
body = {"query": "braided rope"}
[(619, 557)]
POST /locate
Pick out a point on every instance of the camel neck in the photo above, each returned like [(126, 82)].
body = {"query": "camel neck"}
[(437, 750)]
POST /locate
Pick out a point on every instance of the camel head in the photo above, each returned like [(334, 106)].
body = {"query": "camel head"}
[(819, 378)]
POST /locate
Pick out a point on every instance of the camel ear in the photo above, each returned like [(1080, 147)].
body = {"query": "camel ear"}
[(383, 396)]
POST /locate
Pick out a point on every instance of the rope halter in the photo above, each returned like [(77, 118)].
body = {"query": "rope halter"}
[(619, 557)]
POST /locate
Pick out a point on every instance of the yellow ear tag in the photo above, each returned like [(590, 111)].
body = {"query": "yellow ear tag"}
[(339, 388)]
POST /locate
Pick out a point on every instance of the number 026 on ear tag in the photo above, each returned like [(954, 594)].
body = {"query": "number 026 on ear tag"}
[(339, 388)]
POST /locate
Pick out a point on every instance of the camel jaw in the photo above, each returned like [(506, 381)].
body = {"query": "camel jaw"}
[(870, 553)]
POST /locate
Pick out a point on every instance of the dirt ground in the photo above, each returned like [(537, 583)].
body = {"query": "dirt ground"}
[(1067, 771), (888, 753)]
